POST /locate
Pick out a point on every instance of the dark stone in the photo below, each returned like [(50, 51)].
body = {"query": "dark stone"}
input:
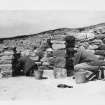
[(100, 52), (103, 40), (101, 47)]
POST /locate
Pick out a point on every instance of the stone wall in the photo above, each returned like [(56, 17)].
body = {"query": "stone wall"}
[(57, 37)]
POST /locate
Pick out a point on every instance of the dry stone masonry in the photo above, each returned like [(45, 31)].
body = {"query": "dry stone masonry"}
[(92, 35)]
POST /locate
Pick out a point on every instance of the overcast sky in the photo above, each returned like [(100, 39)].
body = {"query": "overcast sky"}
[(20, 22)]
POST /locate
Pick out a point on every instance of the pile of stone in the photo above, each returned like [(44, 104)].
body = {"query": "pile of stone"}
[(5, 63), (96, 45)]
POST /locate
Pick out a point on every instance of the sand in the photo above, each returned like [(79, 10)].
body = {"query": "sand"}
[(28, 89)]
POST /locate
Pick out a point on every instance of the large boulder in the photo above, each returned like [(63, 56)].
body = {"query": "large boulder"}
[(97, 42), (60, 72), (5, 61), (100, 36), (100, 52), (103, 40), (57, 46), (6, 70), (101, 47), (59, 58), (93, 47), (85, 35)]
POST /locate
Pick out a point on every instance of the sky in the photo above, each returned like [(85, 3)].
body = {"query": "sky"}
[(24, 17)]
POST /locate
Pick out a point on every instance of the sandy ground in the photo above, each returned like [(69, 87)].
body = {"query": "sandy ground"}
[(46, 92)]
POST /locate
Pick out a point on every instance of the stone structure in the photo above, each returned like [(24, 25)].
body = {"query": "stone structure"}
[(31, 41), (70, 44)]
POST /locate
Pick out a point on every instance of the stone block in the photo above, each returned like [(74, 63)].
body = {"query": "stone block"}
[(60, 73)]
